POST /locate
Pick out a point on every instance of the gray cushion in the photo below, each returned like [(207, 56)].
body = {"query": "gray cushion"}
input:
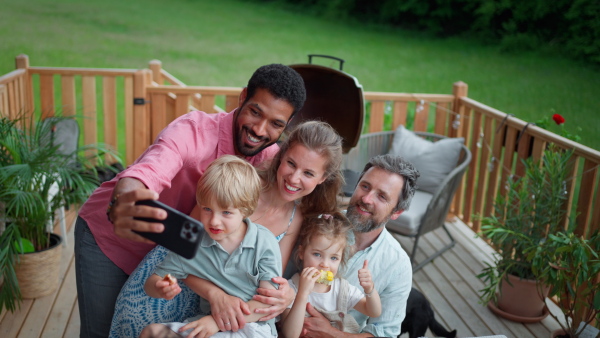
[(408, 222), (434, 160)]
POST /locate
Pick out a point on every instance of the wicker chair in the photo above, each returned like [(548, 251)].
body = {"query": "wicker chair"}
[(428, 211), (65, 133)]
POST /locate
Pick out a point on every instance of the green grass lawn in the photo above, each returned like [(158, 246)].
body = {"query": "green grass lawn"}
[(221, 43)]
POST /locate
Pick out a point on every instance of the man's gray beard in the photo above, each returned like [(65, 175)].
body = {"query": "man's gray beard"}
[(363, 226)]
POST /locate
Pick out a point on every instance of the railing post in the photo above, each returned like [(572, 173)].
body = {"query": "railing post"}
[(141, 119), (22, 62), (156, 68), (4, 110), (459, 90)]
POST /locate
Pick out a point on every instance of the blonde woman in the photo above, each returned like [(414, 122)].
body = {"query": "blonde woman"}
[(304, 177)]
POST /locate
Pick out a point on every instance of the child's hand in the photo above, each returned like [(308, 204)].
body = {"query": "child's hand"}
[(168, 287), (203, 327), (365, 279), (308, 277)]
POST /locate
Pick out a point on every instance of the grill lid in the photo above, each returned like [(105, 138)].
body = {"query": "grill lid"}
[(332, 96)]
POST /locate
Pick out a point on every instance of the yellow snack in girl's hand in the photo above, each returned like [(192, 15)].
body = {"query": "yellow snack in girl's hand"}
[(325, 277), (169, 278)]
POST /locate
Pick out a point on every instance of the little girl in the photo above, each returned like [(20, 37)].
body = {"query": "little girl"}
[(322, 248)]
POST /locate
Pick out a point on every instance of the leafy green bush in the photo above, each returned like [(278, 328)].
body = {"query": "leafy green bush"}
[(570, 27), (583, 37), (533, 208), (570, 264)]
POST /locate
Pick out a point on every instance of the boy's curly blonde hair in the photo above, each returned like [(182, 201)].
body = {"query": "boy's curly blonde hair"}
[(232, 182)]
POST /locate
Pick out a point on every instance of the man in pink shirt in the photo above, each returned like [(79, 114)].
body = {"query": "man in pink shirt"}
[(106, 249)]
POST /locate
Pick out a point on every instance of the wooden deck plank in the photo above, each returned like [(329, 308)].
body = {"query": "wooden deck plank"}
[(445, 310), (460, 231), (11, 323), (549, 324), (537, 329), (469, 291), (61, 312), (2, 314), (455, 271), (67, 292), (73, 324), (467, 252), (36, 319)]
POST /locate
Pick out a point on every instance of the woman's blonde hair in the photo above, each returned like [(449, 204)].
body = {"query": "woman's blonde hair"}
[(321, 138), (334, 226), (230, 182)]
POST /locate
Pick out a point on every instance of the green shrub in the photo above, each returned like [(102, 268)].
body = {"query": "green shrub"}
[(569, 27)]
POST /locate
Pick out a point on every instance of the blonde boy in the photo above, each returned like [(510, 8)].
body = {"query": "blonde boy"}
[(235, 254)]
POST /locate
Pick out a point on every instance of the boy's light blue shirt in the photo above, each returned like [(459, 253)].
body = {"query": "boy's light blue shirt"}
[(257, 258)]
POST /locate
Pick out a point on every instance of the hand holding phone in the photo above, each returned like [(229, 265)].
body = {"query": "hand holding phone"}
[(181, 234)]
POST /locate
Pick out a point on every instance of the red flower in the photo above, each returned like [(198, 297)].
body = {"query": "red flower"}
[(558, 119)]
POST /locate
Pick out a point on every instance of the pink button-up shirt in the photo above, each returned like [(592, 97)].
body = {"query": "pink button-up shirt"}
[(171, 166)]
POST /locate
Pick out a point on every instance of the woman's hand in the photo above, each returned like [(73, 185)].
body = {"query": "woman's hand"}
[(278, 299), (202, 328), (228, 312)]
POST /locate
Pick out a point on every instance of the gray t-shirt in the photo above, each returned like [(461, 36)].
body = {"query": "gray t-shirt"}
[(257, 258)]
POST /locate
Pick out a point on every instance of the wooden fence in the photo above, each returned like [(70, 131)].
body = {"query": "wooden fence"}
[(126, 108)]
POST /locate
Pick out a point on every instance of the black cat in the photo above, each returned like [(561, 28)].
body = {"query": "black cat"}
[(419, 317)]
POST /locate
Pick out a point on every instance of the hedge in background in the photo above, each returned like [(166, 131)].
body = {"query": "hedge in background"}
[(570, 26)]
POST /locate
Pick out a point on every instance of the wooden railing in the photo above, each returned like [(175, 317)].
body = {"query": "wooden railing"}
[(15, 90), (106, 114), (498, 141)]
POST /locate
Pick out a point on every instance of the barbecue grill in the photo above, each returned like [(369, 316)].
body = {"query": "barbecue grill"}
[(332, 96)]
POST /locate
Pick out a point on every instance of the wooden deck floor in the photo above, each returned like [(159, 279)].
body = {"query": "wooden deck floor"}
[(449, 282)]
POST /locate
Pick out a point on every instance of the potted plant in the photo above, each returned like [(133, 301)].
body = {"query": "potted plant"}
[(533, 208), (570, 265), (37, 176)]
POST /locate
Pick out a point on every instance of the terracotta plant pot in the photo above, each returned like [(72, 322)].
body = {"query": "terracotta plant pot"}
[(521, 301), (558, 333), (37, 272)]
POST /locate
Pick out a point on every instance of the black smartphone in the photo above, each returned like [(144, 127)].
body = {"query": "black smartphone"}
[(181, 234)]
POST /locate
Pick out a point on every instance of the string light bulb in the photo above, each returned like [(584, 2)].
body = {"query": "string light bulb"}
[(456, 122), (480, 140), (420, 106), (491, 165)]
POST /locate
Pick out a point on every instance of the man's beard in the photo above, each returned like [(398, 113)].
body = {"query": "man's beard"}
[(247, 151), (360, 225)]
